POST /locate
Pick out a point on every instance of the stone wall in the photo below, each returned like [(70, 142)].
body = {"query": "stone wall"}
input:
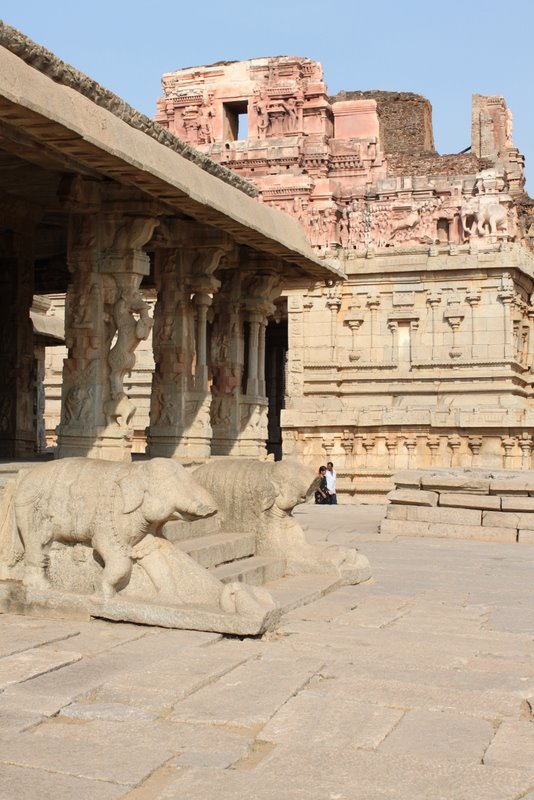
[(405, 119), (462, 504)]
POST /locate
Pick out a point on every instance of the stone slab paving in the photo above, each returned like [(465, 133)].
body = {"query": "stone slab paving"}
[(416, 685)]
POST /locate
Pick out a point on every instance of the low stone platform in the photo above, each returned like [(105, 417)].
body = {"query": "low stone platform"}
[(493, 506)]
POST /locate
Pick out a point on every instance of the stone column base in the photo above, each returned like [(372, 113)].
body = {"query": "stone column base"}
[(106, 444)]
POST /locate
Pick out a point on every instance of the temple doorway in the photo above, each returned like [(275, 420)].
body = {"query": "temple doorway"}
[(276, 344)]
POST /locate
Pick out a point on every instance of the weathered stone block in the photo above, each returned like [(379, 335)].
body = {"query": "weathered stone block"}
[(459, 483), (416, 497), (397, 527), (517, 484), (525, 537), (508, 519), (517, 503), (450, 516), (410, 478), (477, 532), (460, 500)]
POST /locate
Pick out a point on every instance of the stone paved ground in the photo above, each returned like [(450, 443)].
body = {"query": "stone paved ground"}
[(413, 687)]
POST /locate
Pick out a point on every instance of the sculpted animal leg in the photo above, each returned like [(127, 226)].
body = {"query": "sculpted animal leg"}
[(34, 553), (117, 564)]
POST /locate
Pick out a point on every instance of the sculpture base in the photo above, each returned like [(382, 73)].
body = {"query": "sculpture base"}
[(16, 598)]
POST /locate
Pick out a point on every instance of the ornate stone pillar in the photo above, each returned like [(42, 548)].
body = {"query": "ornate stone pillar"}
[(508, 444), (240, 419), (473, 298), (475, 444), (455, 442), (17, 382), (187, 255), (333, 303), (433, 445), (506, 296), (105, 319), (525, 443), (373, 303), (393, 326), (202, 302), (433, 300), (254, 321), (262, 389)]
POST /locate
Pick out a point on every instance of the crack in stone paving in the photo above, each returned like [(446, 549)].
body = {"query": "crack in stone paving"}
[(496, 723), (51, 771), (55, 640)]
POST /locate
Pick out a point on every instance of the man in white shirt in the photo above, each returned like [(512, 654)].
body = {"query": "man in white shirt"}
[(331, 483)]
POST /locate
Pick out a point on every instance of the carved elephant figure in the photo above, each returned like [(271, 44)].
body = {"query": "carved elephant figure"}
[(492, 217), (116, 508), (260, 496), (479, 217)]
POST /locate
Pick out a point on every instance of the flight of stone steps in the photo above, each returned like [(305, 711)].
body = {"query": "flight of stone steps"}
[(231, 557), (228, 556)]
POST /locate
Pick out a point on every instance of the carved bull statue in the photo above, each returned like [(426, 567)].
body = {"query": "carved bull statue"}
[(116, 508)]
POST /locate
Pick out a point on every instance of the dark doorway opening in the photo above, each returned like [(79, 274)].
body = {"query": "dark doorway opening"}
[(275, 382)]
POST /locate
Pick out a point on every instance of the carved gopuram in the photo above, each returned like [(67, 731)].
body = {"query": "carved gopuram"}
[(423, 357), (150, 243)]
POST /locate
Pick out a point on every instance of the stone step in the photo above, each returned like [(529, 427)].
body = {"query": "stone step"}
[(218, 548), (181, 530), (255, 571)]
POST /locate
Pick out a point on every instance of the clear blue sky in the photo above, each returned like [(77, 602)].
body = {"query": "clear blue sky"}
[(443, 50)]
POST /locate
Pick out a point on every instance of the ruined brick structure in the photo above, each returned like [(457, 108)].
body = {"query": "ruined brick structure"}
[(423, 355)]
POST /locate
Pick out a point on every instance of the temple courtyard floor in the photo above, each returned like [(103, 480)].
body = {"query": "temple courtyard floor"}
[(418, 685)]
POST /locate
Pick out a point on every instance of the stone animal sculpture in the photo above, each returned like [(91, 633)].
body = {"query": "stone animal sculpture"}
[(116, 508), (260, 496), (484, 218)]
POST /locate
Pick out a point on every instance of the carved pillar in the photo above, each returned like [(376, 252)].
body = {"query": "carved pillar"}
[(393, 326), (475, 443), (105, 319), (347, 443), (473, 298), (508, 444), (391, 446), (17, 382), (187, 255), (525, 443), (261, 358), (368, 443), (240, 420), (202, 302), (333, 303), (433, 300), (254, 321), (455, 442), (410, 445), (433, 445), (373, 303), (506, 296), (454, 316)]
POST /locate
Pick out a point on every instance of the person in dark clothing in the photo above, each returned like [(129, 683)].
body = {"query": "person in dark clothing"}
[(321, 493)]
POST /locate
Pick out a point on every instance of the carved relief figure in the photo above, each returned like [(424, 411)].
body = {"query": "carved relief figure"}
[(262, 113), (130, 331)]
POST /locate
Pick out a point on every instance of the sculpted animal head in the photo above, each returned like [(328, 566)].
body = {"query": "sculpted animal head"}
[(164, 490), (290, 484)]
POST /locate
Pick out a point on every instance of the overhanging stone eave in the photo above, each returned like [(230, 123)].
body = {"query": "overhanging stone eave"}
[(64, 120)]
